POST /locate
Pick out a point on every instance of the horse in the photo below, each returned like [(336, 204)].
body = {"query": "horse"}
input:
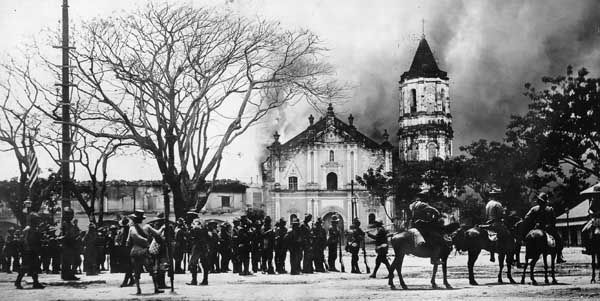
[(537, 243), (404, 244), (594, 246), (476, 239)]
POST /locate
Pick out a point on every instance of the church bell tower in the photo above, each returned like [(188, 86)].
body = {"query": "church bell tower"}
[(425, 121)]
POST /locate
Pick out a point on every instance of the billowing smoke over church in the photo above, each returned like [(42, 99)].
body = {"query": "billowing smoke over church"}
[(315, 171)]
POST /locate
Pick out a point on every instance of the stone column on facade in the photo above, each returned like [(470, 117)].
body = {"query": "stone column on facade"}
[(277, 207)]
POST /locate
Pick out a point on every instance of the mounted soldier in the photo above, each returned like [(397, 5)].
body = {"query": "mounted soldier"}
[(494, 213), (593, 217), (333, 241), (427, 220), (542, 217)]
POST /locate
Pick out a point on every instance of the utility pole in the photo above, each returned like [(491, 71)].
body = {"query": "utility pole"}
[(66, 110)]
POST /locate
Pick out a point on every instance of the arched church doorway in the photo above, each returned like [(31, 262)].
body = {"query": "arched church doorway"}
[(327, 221), (332, 181)]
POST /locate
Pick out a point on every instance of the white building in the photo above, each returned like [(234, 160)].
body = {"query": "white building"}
[(315, 172)]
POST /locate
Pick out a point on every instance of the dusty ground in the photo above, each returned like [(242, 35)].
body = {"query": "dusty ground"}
[(573, 277)]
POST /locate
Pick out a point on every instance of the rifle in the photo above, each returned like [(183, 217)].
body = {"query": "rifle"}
[(365, 256), (341, 261)]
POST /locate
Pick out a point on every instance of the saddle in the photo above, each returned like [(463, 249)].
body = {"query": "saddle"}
[(417, 236), (551, 241), (492, 235)]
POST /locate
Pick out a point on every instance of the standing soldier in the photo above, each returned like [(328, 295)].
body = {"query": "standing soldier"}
[(332, 243), (45, 251), (225, 246), (90, 258), (307, 246), (245, 235), (357, 237), (111, 244), (213, 245), (124, 253), (381, 247), (280, 246), (320, 242), (198, 240), (11, 252), (140, 237), (235, 249), (69, 237), (295, 243), (268, 244), (256, 245), (32, 248), (180, 242)]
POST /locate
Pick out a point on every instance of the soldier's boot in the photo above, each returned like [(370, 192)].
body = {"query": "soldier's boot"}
[(125, 280), (204, 278), (492, 259), (194, 279), (137, 284), (36, 282), (374, 274), (156, 289), (18, 281), (270, 270), (160, 279)]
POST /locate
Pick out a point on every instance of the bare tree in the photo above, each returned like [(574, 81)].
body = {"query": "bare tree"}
[(183, 83)]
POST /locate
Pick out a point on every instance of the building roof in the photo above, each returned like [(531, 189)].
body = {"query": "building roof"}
[(424, 64), (579, 211), (317, 130)]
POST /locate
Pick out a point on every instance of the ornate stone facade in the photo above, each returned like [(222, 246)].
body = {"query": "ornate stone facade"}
[(425, 121), (315, 172)]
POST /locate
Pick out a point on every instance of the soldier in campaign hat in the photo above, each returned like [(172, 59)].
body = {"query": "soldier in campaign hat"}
[(333, 240), (281, 246)]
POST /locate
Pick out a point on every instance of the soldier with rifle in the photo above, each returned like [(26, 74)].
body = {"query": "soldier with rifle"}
[(180, 245), (70, 245), (295, 242), (307, 246), (333, 240), (357, 237), (235, 250), (32, 247), (268, 244), (225, 246)]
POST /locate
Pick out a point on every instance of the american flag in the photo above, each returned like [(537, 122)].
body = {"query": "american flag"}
[(34, 169)]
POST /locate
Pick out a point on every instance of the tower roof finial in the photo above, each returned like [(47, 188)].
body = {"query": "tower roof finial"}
[(423, 28)]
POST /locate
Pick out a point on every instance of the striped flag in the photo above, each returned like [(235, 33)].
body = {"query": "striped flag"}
[(34, 169)]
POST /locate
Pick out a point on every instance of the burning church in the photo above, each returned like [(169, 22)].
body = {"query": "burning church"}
[(315, 171)]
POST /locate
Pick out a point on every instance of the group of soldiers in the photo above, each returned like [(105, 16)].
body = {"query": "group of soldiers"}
[(252, 244)]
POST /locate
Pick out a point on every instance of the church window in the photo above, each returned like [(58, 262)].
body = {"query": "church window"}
[(371, 218), (413, 100), (331, 156), (293, 183), (431, 151), (332, 181), (413, 152)]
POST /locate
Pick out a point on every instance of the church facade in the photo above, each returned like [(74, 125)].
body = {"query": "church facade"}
[(315, 172)]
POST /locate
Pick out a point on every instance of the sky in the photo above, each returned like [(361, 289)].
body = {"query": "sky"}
[(489, 49)]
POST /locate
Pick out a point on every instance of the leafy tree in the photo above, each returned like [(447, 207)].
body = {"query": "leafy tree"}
[(562, 124), (379, 184)]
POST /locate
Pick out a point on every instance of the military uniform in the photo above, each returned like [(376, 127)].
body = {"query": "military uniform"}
[(180, 245), (244, 241), (90, 258), (280, 246), (225, 246), (256, 245), (357, 237), (427, 220), (123, 253), (268, 245), (307, 246), (235, 246), (542, 217), (294, 239), (381, 247), (333, 240), (32, 247), (11, 251), (494, 213), (319, 243)]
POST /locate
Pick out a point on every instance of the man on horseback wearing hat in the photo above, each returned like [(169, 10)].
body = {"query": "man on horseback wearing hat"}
[(427, 220), (494, 213), (593, 215), (542, 217)]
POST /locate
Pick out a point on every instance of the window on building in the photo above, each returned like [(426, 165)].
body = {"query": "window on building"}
[(371, 218), (225, 201), (293, 183), (432, 151), (413, 100), (413, 153), (332, 181), (331, 156)]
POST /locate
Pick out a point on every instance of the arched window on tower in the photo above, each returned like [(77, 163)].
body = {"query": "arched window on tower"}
[(332, 181), (413, 153), (442, 100), (413, 100), (432, 151), (331, 156)]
